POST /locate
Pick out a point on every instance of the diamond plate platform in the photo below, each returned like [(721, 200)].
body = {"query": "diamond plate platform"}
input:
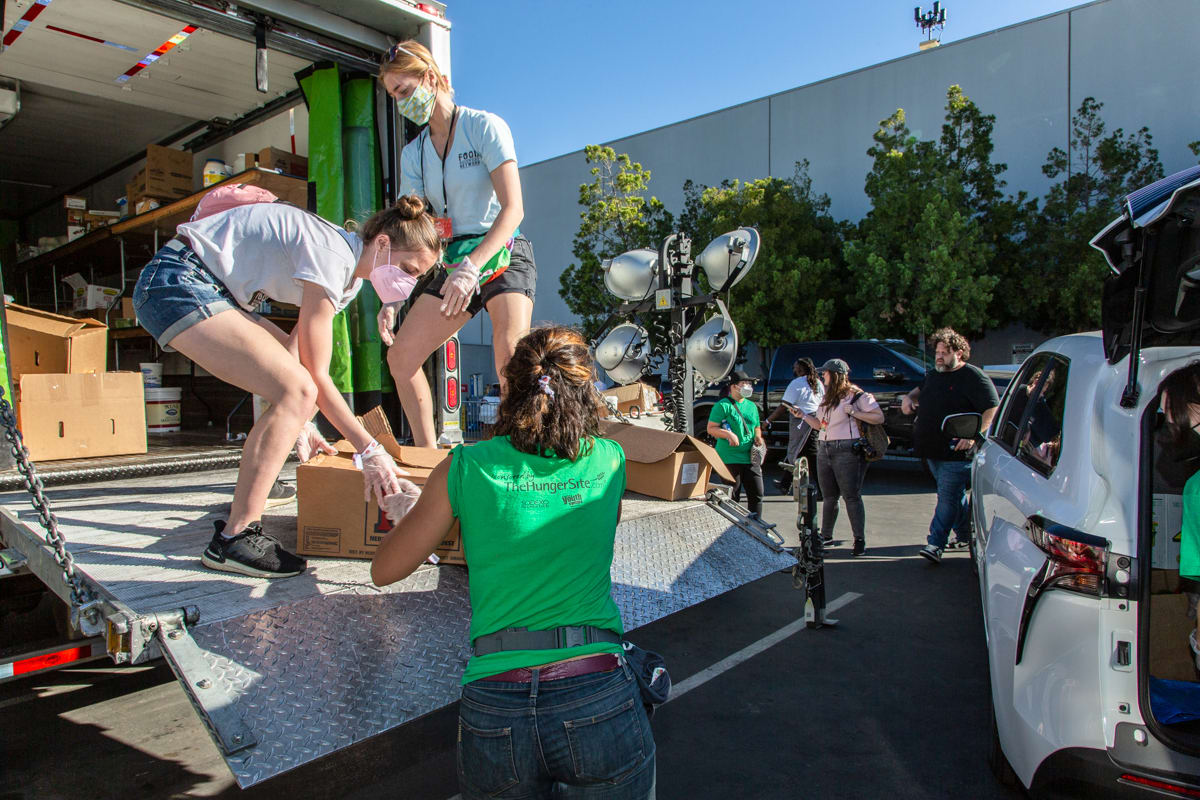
[(309, 665)]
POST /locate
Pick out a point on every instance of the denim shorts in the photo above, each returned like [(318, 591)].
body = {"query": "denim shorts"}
[(580, 737), (519, 277), (175, 291)]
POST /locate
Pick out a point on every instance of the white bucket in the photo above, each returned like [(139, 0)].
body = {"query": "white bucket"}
[(164, 409), (151, 375)]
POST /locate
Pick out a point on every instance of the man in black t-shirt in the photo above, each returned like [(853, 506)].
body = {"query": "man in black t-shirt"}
[(953, 387)]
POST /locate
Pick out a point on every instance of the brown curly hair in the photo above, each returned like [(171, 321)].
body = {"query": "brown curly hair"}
[(952, 339), (407, 222), (536, 422)]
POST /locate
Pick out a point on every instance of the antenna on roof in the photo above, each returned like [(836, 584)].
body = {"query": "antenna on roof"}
[(935, 18)]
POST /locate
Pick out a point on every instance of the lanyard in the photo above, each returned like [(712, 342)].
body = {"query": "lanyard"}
[(445, 152)]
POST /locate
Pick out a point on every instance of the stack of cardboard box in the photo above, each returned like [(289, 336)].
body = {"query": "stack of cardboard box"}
[(166, 177), (67, 405)]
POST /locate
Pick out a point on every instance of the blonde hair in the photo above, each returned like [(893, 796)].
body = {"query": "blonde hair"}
[(412, 58)]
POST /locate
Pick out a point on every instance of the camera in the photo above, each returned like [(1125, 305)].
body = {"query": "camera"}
[(863, 448)]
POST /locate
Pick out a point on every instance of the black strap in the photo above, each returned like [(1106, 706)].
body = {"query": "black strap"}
[(554, 639), (445, 152)]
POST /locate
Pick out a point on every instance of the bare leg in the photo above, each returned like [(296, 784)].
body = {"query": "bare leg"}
[(511, 313), (424, 330), (237, 350)]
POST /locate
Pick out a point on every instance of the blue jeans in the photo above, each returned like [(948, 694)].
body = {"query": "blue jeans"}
[(953, 478), (175, 291), (581, 737)]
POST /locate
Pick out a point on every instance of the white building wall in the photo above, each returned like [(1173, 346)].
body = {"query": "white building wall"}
[(1132, 55)]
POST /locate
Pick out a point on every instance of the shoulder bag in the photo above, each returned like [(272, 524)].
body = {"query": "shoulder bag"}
[(872, 438)]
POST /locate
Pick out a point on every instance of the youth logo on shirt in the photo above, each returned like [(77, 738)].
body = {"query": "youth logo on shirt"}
[(469, 159)]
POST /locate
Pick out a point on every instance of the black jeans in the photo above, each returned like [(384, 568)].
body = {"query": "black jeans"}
[(751, 477), (840, 472)]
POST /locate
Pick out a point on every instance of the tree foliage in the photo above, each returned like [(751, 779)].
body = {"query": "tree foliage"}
[(787, 295), (920, 258), (616, 217), (1062, 285)]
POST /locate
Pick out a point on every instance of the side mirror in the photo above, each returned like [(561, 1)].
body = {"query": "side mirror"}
[(962, 426), (887, 375)]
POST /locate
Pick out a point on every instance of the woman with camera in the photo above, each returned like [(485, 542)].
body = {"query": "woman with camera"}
[(841, 462), (538, 505)]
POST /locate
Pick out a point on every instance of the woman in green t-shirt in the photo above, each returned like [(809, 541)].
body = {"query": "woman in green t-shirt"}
[(538, 505), (1181, 406), (734, 423)]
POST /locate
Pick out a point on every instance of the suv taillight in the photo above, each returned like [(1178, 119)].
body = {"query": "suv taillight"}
[(1075, 561)]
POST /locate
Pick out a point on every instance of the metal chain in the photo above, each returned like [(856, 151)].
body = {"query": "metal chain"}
[(33, 484)]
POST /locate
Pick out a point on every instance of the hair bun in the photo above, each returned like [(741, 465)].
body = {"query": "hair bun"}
[(410, 206)]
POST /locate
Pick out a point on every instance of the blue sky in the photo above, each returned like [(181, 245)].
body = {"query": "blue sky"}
[(568, 73)]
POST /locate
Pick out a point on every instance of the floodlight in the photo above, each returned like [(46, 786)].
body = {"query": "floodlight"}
[(632, 275), (712, 349), (624, 352), (729, 257)]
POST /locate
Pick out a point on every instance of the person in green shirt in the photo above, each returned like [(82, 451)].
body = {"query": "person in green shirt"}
[(1180, 403), (549, 706), (734, 423)]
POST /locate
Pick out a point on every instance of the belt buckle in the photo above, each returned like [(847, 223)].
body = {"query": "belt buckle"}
[(571, 636)]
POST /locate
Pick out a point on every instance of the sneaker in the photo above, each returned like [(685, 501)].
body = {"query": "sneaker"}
[(827, 539), (1195, 650), (932, 553), (280, 495), (860, 547), (252, 553)]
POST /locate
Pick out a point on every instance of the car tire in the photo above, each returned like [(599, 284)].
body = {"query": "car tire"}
[(700, 426), (997, 761)]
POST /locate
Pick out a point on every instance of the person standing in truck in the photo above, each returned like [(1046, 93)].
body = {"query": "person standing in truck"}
[(538, 506), (465, 163), (198, 295)]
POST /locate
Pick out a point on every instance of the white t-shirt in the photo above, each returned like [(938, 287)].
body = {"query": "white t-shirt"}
[(802, 396), (482, 142), (264, 250)]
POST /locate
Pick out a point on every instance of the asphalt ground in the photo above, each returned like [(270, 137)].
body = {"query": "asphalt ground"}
[(890, 702)]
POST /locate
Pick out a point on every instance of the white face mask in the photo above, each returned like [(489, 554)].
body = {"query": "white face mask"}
[(746, 391)]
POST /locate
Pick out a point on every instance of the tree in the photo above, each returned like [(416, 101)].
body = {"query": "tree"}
[(789, 294), (920, 258), (1062, 285), (1195, 148), (616, 217)]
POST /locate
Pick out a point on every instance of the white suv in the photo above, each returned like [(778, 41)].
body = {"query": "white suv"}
[(1066, 503)]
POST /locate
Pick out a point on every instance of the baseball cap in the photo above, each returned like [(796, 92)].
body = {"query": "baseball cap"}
[(836, 365)]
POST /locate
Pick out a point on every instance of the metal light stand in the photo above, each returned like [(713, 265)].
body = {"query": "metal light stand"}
[(809, 572)]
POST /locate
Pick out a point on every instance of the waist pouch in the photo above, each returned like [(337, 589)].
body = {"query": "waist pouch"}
[(460, 247)]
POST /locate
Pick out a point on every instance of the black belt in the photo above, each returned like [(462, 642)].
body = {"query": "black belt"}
[(554, 639)]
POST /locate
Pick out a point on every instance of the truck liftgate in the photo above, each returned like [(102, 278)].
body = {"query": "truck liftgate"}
[(285, 672)]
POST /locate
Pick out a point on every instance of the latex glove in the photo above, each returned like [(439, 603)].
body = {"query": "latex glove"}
[(460, 286), (387, 322), (381, 476), (398, 504), (310, 442)]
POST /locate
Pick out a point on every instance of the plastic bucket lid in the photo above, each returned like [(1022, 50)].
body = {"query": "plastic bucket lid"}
[(163, 394)]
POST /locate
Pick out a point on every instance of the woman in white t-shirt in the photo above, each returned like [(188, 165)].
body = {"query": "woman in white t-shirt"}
[(465, 164), (198, 295)]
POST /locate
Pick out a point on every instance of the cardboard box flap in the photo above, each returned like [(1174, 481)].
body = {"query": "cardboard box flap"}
[(419, 457), (376, 422), (648, 445), (48, 322), (632, 391)]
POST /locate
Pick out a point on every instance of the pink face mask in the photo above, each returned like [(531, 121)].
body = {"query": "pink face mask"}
[(392, 284)]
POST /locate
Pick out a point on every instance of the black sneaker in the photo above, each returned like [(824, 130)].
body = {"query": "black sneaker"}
[(280, 495), (860, 547), (827, 539), (252, 553)]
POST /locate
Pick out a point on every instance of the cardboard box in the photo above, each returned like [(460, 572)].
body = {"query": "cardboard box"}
[(41, 342), (282, 160), (74, 202), (168, 173), (334, 521), (80, 416), (127, 311), (673, 466), (89, 296), (634, 399)]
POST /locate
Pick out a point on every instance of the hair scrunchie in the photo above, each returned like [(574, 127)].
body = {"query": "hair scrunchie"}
[(544, 384)]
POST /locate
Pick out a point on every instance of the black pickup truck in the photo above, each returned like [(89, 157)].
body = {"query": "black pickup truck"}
[(887, 368)]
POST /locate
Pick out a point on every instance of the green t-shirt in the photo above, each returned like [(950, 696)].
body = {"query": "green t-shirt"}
[(538, 538), (742, 425), (1189, 536)]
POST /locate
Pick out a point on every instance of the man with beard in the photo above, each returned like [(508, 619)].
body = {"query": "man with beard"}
[(953, 387)]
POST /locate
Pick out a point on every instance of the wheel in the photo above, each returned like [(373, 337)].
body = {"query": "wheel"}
[(997, 761), (700, 426)]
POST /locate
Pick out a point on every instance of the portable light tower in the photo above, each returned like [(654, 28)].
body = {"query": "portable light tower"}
[(927, 21)]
